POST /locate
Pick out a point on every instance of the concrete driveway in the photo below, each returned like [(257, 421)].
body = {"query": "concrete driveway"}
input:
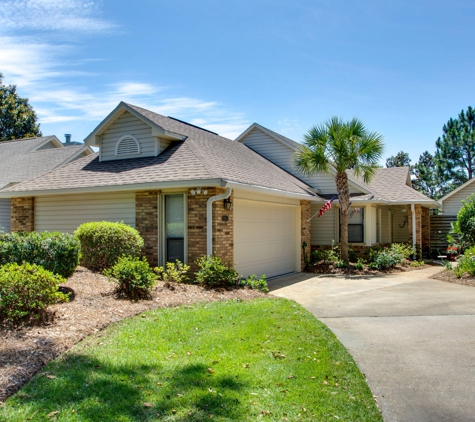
[(412, 337)]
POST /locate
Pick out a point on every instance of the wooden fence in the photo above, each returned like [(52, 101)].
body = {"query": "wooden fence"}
[(439, 228)]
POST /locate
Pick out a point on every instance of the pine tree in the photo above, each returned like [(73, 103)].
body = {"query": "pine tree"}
[(455, 154), (401, 159)]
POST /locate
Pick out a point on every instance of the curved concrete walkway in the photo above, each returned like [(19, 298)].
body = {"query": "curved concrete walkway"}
[(412, 337)]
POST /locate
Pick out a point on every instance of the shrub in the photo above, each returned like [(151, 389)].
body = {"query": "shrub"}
[(359, 264), (26, 290), (214, 273), (387, 258), (466, 263), (255, 283), (103, 243), (54, 251), (463, 230), (341, 264), (404, 249), (175, 272), (133, 276), (352, 255), (327, 255)]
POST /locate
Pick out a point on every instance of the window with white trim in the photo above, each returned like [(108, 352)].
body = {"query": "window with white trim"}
[(127, 145), (355, 225)]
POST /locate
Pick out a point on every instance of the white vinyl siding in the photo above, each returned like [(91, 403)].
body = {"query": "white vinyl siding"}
[(282, 156), (323, 229), (128, 124), (452, 205), (5, 214), (385, 228), (65, 213), (400, 234), (266, 238)]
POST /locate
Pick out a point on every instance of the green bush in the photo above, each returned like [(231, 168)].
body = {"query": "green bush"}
[(387, 258), (255, 283), (352, 257), (359, 265), (407, 251), (55, 252), (133, 276), (103, 243), (175, 272), (214, 273), (26, 290), (462, 233), (341, 264), (466, 263), (327, 255)]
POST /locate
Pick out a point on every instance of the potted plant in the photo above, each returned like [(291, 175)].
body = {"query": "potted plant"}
[(452, 252)]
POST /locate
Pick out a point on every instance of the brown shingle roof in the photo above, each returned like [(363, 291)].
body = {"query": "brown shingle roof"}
[(19, 161), (203, 155)]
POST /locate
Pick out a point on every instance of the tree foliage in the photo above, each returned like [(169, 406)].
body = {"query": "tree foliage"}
[(338, 146), (455, 154), (17, 118), (426, 179), (401, 159)]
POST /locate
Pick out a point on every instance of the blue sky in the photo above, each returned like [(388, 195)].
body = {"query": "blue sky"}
[(403, 67)]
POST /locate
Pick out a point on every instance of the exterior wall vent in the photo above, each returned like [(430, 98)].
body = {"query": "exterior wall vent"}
[(127, 145)]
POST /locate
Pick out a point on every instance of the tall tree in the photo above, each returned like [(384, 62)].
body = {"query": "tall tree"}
[(455, 154), (426, 179), (17, 118), (338, 146), (401, 159)]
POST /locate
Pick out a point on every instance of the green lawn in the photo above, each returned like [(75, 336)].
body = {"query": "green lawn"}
[(265, 359)]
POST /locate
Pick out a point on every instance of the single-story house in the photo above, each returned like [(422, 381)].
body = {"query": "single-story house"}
[(191, 192), (25, 159), (452, 202)]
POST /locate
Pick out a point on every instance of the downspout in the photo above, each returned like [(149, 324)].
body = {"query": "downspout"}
[(413, 212), (209, 219)]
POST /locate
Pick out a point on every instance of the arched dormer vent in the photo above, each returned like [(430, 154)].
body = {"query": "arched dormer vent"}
[(127, 145)]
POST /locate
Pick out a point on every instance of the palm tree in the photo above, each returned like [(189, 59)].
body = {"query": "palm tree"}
[(335, 147)]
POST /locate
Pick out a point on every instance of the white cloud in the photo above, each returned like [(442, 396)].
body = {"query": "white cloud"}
[(52, 15), (45, 71)]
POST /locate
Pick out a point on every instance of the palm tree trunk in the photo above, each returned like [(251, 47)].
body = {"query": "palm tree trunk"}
[(344, 198)]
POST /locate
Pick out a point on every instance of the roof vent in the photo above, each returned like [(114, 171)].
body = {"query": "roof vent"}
[(127, 145), (68, 138)]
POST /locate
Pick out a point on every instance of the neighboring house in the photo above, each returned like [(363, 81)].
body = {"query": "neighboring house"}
[(452, 202), (191, 192), (25, 159), (384, 211)]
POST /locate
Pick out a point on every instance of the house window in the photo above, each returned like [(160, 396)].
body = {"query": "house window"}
[(355, 225), (127, 145), (174, 228)]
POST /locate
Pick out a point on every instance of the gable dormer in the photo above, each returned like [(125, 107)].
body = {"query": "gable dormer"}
[(126, 134)]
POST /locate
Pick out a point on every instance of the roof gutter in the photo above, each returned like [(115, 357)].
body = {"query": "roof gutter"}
[(209, 219), (271, 191)]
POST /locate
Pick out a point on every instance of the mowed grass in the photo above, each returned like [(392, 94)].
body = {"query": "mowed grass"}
[(265, 359)]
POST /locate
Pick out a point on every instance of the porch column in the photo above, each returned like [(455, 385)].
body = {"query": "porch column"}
[(368, 225), (305, 227), (417, 221)]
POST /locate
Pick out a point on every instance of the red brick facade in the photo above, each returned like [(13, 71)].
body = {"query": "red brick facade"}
[(23, 214), (146, 222)]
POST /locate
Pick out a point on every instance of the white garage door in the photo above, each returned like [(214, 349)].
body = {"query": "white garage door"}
[(65, 213), (265, 238)]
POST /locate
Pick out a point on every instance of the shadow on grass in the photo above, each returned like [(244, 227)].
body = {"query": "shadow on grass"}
[(134, 392)]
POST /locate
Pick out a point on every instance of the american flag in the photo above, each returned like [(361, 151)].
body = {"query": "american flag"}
[(327, 206)]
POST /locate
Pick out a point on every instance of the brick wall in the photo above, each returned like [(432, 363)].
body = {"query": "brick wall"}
[(23, 214), (223, 231), (146, 222), (305, 227)]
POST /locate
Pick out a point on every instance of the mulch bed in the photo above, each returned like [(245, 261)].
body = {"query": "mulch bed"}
[(94, 305), (328, 268), (450, 276)]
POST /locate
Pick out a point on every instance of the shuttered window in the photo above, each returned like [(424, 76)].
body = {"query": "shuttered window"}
[(128, 145)]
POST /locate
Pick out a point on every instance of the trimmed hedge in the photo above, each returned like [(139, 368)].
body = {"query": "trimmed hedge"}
[(133, 276), (54, 251), (27, 289), (103, 243)]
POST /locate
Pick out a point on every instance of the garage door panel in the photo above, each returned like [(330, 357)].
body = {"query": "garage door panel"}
[(265, 238)]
